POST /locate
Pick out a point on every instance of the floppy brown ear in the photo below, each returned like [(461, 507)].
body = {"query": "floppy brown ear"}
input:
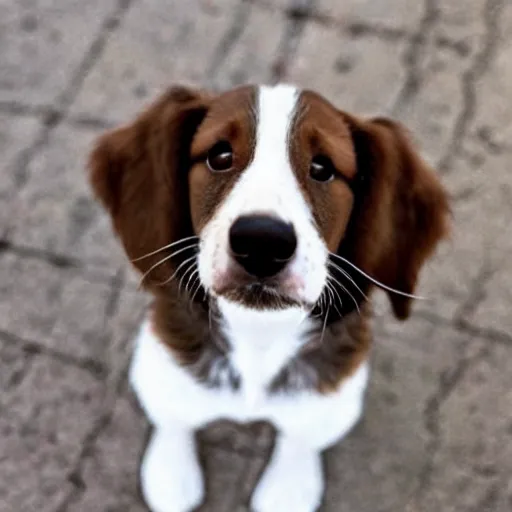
[(404, 210), (139, 173)]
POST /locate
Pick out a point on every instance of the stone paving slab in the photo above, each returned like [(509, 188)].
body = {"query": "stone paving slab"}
[(394, 14), (16, 136), (473, 459), (43, 44), (251, 56), (389, 449), (210, 44), (161, 42), (55, 210), (121, 327), (463, 23), (109, 472), (55, 307), (47, 408), (361, 74)]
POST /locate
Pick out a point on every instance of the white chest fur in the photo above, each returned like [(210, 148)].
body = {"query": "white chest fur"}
[(169, 393), (262, 343)]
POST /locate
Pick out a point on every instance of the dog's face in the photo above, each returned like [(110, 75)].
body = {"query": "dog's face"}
[(270, 195), (275, 182)]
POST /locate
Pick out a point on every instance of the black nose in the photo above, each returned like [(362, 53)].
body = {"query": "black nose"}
[(261, 244)]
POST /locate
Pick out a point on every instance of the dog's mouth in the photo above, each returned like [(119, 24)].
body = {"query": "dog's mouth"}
[(259, 295)]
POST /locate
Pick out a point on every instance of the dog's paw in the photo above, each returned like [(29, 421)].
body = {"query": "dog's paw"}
[(171, 478), (293, 481)]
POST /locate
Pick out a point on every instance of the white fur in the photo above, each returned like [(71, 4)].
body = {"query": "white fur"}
[(170, 473), (261, 344), (292, 480), (255, 354), (177, 405), (269, 185)]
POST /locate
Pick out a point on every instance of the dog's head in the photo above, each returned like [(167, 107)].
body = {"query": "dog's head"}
[(280, 188)]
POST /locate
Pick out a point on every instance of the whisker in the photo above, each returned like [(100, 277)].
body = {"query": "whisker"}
[(321, 304), (198, 281), (333, 291), (192, 265), (324, 325), (163, 260), (189, 288), (194, 273), (165, 247), (323, 301), (378, 283), (347, 292), (175, 273), (349, 277)]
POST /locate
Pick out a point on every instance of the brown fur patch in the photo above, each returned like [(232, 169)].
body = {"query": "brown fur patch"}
[(231, 118), (330, 356), (139, 173), (318, 129), (401, 209)]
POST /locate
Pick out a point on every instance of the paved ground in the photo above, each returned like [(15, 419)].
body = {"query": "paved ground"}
[(438, 430)]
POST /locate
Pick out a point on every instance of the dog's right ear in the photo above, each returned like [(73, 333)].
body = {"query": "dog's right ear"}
[(139, 173), (405, 211)]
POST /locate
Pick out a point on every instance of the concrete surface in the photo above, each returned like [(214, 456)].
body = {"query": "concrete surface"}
[(437, 435)]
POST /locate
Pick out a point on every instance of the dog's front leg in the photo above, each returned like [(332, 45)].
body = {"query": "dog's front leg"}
[(171, 478), (293, 480)]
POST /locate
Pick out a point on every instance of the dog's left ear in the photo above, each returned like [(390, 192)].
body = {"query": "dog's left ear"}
[(403, 210), (139, 173)]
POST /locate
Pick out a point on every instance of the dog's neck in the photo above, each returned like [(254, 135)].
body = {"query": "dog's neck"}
[(262, 342), (227, 345)]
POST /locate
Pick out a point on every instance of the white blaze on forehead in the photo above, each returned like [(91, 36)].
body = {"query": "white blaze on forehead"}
[(269, 181)]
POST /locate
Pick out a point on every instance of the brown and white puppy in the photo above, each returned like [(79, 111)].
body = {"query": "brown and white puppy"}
[(260, 219)]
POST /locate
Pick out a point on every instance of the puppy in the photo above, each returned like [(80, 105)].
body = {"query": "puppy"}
[(260, 220)]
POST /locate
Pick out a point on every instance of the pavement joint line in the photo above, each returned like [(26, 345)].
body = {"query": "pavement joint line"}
[(469, 79), (490, 498), (115, 385), (297, 18), (304, 14), (19, 109), (57, 113), (414, 57), (74, 477), (360, 28), (116, 285), (88, 271), (309, 14), (489, 334), (229, 39), (109, 25), (448, 382), (89, 122), (46, 113), (476, 293), (18, 375), (465, 327), (94, 367)]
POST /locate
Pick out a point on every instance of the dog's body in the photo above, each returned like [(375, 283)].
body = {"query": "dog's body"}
[(177, 405), (276, 209)]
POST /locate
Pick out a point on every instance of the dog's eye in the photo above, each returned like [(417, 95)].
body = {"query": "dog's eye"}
[(322, 168), (220, 157)]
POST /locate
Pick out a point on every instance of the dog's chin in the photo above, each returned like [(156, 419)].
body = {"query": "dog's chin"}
[(259, 296)]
